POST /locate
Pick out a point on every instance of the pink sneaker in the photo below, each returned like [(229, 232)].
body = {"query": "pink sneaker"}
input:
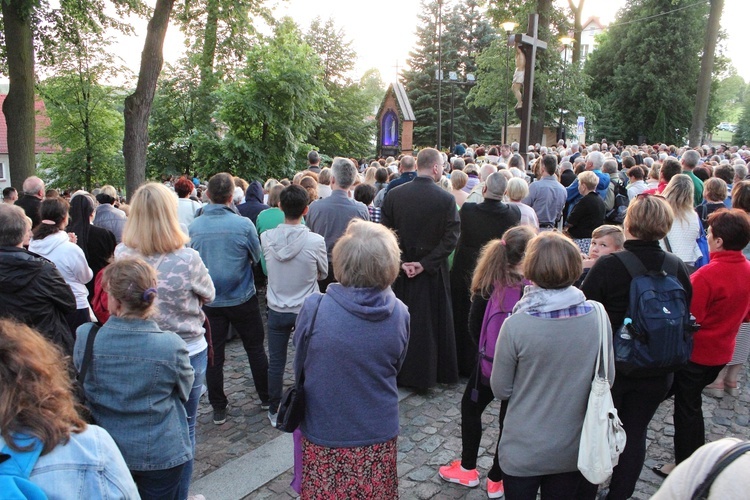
[(495, 489), (457, 474)]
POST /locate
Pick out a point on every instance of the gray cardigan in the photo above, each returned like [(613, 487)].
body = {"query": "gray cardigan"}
[(544, 367)]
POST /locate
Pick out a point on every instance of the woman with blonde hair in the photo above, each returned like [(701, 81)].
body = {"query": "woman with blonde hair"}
[(458, 181), (516, 191), (153, 234), (588, 213), (370, 175), (38, 413), (139, 380), (686, 228), (356, 336)]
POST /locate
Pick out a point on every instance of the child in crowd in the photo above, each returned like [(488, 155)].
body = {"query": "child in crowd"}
[(365, 193), (605, 240), (294, 259), (139, 380), (498, 273)]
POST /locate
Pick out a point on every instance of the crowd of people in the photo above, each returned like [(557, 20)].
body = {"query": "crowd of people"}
[(402, 272)]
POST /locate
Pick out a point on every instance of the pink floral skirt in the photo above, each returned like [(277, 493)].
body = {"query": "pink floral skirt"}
[(361, 472)]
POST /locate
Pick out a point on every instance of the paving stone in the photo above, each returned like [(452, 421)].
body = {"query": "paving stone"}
[(422, 474), (443, 457), (427, 491), (431, 444)]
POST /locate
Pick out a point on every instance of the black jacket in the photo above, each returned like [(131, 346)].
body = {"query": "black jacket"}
[(33, 292), (31, 205)]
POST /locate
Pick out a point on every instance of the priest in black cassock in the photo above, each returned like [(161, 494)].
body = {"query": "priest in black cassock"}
[(426, 221)]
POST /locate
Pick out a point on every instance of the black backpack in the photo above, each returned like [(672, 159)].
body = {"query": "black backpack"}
[(656, 336)]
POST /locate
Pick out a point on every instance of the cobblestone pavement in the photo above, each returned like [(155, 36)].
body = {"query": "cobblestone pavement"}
[(430, 435)]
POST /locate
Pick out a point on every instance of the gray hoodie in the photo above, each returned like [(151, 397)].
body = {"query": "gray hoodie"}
[(296, 259)]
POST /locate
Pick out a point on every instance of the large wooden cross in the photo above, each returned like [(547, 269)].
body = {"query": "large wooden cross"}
[(529, 43)]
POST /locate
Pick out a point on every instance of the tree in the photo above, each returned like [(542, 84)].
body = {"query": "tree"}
[(704, 78), (577, 11), (274, 106), (31, 27), (632, 80), (85, 119), (742, 135), (346, 127), (730, 96), (138, 104), (465, 34), (18, 106)]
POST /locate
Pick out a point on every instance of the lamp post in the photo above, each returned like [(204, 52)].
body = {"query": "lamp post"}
[(439, 75), (566, 41), (453, 78), (508, 27)]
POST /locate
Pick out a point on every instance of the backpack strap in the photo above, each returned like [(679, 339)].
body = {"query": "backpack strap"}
[(632, 263), (732, 454), (20, 463), (671, 264)]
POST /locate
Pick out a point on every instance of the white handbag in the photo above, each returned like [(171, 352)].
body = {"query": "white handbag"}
[(602, 436)]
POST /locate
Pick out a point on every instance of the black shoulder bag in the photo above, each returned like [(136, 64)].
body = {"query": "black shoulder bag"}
[(85, 363), (292, 405)]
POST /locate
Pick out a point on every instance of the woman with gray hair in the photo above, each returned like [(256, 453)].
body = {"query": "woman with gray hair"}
[(356, 336)]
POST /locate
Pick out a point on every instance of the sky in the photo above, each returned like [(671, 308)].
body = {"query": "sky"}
[(383, 31)]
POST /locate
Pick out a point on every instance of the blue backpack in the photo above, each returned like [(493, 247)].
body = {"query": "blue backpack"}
[(656, 336), (15, 469)]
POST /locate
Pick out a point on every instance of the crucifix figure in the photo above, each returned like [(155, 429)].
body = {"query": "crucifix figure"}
[(526, 46)]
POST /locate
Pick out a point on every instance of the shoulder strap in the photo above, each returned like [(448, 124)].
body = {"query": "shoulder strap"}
[(20, 463), (726, 459), (632, 263), (300, 374), (602, 357), (87, 354), (671, 264)]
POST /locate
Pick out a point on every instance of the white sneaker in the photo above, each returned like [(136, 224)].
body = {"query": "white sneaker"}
[(272, 418)]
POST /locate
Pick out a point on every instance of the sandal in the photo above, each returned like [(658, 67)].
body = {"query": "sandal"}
[(715, 391), (732, 391)]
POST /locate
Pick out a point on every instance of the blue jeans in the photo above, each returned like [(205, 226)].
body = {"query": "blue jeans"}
[(158, 484), (280, 326), (199, 363)]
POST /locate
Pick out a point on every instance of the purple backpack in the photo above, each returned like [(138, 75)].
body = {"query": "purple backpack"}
[(499, 307)]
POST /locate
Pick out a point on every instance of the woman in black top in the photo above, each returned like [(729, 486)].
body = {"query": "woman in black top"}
[(648, 220), (588, 213), (98, 244)]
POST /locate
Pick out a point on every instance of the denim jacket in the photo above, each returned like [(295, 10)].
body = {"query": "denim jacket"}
[(228, 244), (138, 380), (89, 465)]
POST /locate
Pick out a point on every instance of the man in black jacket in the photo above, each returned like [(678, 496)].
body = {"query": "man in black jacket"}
[(33, 194), (32, 291)]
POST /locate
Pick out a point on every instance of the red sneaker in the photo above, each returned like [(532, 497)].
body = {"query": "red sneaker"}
[(457, 474), (495, 489)]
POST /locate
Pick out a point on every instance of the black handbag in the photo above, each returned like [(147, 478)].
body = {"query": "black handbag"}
[(88, 356), (292, 405)]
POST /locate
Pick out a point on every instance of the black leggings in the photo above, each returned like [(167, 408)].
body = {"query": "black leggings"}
[(471, 424)]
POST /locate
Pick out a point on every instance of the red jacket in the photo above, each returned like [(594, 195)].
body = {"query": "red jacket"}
[(721, 302)]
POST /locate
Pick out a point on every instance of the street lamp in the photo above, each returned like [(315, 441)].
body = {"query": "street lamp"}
[(440, 75), (453, 78), (566, 40), (508, 27)]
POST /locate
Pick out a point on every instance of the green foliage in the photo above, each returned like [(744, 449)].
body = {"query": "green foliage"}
[(730, 97), (346, 127), (647, 70), (86, 120), (465, 33), (273, 107), (742, 136)]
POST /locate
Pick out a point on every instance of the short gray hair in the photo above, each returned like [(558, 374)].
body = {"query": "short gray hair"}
[(313, 157), (690, 158), (610, 166), (495, 185), (458, 163), (13, 225), (596, 158), (740, 171), (343, 171), (32, 185), (487, 170)]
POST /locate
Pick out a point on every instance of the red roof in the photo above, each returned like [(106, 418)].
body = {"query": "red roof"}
[(42, 122)]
